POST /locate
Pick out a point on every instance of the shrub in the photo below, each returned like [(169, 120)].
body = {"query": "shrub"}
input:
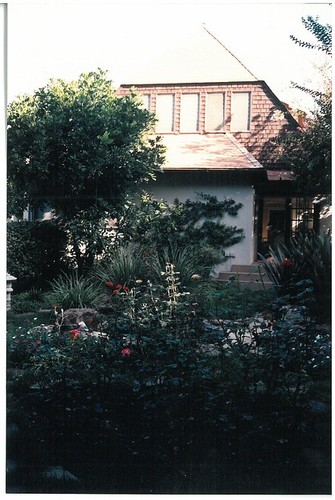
[(305, 261), (29, 301), (187, 262), (73, 291), (124, 264), (230, 301), (156, 225), (35, 253)]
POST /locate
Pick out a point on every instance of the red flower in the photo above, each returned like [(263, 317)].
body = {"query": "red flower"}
[(109, 283), (74, 334), (126, 351), (118, 286), (286, 263), (115, 291), (125, 289)]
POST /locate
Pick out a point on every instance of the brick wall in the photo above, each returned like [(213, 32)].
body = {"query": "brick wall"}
[(269, 117)]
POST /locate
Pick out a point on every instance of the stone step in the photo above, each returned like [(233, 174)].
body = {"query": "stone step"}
[(244, 276), (248, 268), (252, 276)]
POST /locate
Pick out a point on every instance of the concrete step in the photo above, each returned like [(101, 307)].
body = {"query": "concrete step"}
[(252, 276), (244, 276), (248, 268)]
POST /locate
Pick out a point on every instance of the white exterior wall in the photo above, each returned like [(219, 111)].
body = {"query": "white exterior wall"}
[(243, 252)]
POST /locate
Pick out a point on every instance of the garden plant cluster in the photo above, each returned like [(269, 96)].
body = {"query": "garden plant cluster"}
[(177, 384)]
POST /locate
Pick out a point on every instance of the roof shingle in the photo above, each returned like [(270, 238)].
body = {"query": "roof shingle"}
[(207, 152)]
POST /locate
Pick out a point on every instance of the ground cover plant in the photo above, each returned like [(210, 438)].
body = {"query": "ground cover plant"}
[(157, 400)]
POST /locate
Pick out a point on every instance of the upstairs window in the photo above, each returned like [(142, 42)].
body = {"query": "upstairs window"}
[(146, 101), (165, 113), (240, 111), (189, 113), (215, 112)]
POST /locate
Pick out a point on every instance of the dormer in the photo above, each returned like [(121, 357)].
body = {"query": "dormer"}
[(200, 87)]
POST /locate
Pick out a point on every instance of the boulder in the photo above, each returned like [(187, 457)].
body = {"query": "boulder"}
[(72, 318)]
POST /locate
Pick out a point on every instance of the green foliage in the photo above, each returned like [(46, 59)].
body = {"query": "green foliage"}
[(159, 388), (307, 151), (322, 33), (80, 148), (124, 264), (281, 356), (73, 291), (35, 252), (67, 142), (193, 225), (187, 263), (302, 269), (29, 301), (230, 301)]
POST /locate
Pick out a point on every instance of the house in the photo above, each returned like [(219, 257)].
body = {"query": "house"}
[(217, 120)]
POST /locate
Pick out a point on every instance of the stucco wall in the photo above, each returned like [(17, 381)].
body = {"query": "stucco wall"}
[(168, 187)]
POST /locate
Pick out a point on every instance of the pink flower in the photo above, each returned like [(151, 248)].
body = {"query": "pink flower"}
[(74, 334), (126, 351)]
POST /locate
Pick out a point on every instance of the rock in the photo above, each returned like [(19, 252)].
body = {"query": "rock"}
[(71, 318)]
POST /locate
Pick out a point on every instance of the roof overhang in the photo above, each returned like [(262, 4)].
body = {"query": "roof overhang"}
[(208, 152)]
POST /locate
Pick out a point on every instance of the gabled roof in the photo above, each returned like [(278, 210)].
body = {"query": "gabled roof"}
[(207, 152), (200, 58)]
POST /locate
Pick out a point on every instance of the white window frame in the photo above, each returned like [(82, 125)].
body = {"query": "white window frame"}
[(235, 127), (189, 112), (161, 125), (207, 127)]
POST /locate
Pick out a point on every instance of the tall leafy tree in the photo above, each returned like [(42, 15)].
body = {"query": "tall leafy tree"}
[(307, 151), (80, 148)]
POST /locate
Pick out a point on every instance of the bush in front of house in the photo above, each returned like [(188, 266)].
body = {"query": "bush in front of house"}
[(160, 227), (35, 253)]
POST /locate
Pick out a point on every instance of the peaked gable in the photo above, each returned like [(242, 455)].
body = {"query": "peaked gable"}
[(200, 58)]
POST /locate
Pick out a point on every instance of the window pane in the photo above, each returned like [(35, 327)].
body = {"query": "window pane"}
[(189, 113), (215, 112), (146, 101), (240, 111), (165, 112)]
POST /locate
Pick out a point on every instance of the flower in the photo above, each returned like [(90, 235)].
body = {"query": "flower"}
[(286, 263), (74, 334), (109, 283), (125, 289), (126, 351), (118, 287)]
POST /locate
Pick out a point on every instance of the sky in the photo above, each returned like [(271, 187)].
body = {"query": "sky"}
[(64, 39)]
